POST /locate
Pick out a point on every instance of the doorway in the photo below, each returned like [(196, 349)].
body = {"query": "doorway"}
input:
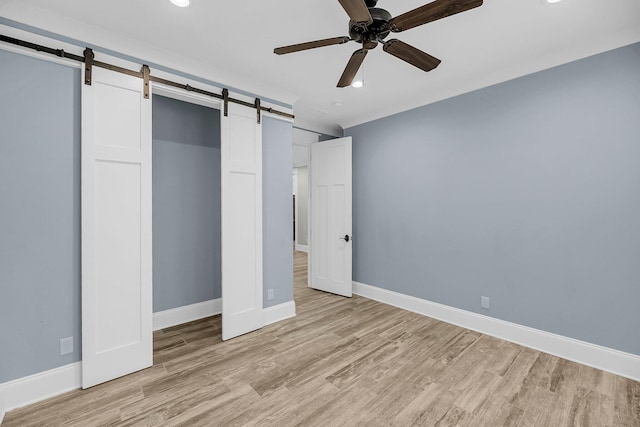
[(186, 208), (301, 208), (302, 140), (322, 211)]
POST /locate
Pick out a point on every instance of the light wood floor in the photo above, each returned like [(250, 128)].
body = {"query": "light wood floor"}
[(346, 362)]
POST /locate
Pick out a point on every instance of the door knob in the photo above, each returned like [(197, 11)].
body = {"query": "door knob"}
[(346, 238)]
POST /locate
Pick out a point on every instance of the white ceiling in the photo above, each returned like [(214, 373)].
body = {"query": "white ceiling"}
[(232, 42)]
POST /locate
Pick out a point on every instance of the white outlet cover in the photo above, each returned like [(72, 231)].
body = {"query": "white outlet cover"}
[(485, 302), (270, 294), (66, 346)]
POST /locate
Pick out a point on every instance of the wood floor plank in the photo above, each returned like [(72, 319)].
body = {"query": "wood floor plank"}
[(471, 398), (585, 408), (345, 362), (514, 387), (496, 413), (419, 411), (369, 362), (563, 377), (627, 400), (597, 380), (164, 406), (454, 417), (537, 404), (533, 378)]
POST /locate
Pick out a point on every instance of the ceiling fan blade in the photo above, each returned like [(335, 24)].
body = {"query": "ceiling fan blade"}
[(310, 45), (412, 55), (352, 67), (357, 11), (430, 12)]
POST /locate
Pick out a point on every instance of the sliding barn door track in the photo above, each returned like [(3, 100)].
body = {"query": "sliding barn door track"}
[(145, 74)]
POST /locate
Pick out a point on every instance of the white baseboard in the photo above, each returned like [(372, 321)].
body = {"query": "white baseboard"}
[(302, 248), (188, 313), (279, 312), (604, 358), (37, 387), (1, 405)]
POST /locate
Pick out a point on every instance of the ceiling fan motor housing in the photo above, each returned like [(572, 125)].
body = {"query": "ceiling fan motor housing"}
[(377, 30)]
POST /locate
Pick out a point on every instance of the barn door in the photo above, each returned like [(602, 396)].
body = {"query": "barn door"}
[(116, 228), (241, 181)]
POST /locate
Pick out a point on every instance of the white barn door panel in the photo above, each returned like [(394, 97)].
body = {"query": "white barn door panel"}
[(241, 167), (116, 228)]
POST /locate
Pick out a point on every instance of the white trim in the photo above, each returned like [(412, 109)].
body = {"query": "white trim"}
[(302, 248), (596, 356), (279, 312), (41, 386), (40, 55), (186, 96), (188, 313), (1, 405)]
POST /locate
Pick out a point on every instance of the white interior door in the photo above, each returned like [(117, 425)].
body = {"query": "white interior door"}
[(241, 181), (331, 247), (116, 228)]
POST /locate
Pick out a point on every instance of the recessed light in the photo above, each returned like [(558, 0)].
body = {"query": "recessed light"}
[(357, 83), (551, 1), (180, 3), (337, 103)]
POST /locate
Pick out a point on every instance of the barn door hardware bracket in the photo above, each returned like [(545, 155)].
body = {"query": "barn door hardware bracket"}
[(258, 109), (145, 75), (88, 65), (225, 98)]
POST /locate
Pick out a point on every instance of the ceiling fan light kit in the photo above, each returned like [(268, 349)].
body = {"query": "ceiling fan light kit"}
[(370, 26)]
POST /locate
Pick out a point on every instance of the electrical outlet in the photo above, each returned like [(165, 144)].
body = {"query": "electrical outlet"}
[(66, 346), (270, 294), (485, 302)]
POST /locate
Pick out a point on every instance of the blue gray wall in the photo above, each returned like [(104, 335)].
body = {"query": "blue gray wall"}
[(39, 214), (527, 192), (186, 203), (277, 210)]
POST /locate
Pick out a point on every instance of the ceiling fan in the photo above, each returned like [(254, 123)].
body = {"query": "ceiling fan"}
[(369, 25)]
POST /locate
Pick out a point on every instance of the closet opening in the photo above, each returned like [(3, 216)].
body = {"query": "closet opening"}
[(186, 225)]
